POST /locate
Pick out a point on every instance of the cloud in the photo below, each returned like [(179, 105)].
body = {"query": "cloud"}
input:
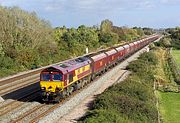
[(146, 4), (103, 6), (76, 12), (97, 5), (170, 2)]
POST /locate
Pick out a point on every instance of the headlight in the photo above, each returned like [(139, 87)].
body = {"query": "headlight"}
[(43, 88)]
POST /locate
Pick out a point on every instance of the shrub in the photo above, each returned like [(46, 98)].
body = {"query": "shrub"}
[(9, 66), (164, 42)]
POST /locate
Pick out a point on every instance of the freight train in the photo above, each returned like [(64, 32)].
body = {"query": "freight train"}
[(61, 80)]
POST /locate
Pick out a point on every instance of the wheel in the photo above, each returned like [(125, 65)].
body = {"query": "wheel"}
[(70, 90)]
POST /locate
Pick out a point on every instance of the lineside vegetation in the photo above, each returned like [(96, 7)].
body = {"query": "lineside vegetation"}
[(132, 100)]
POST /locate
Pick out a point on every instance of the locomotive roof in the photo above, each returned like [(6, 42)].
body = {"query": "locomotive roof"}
[(70, 65)]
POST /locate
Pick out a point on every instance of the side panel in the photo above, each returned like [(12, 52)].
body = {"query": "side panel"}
[(82, 72), (127, 50), (121, 52), (112, 56), (132, 47), (78, 74), (100, 64)]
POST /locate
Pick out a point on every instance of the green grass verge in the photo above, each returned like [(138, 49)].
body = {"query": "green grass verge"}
[(170, 107), (176, 55)]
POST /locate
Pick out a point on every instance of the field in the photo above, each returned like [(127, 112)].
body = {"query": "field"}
[(170, 107), (176, 55)]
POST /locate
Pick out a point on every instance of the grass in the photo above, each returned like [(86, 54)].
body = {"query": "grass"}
[(170, 107), (176, 55), (161, 74)]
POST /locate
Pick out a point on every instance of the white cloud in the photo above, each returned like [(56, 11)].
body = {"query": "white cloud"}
[(83, 5), (146, 4), (75, 12), (101, 5), (170, 2)]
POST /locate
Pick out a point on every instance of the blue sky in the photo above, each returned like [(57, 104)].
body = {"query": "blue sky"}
[(72, 13)]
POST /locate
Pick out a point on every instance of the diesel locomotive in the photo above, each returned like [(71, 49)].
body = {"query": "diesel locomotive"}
[(61, 80)]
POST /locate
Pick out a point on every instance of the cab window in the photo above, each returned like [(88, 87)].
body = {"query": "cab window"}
[(70, 77), (45, 77), (57, 77)]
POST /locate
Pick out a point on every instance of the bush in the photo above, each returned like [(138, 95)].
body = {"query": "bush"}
[(164, 42), (108, 38), (9, 66), (149, 58)]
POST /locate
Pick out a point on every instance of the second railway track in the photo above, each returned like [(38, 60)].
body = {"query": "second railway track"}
[(4, 109), (19, 77)]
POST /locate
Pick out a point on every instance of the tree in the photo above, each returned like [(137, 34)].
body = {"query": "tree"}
[(106, 26), (167, 42), (109, 38), (1, 51)]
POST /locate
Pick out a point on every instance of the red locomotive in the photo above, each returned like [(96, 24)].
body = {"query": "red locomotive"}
[(59, 81)]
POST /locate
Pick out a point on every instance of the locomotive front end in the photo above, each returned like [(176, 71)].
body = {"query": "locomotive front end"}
[(52, 84)]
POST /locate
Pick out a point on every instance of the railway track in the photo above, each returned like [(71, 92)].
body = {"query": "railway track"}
[(19, 77), (18, 86), (4, 109), (7, 85), (26, 117), (44, 110)]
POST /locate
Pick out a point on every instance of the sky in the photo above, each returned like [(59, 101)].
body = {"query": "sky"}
[(73, 13)]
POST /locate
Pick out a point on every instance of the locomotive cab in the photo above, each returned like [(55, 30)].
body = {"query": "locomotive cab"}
[(51, 82), (60, 80)]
